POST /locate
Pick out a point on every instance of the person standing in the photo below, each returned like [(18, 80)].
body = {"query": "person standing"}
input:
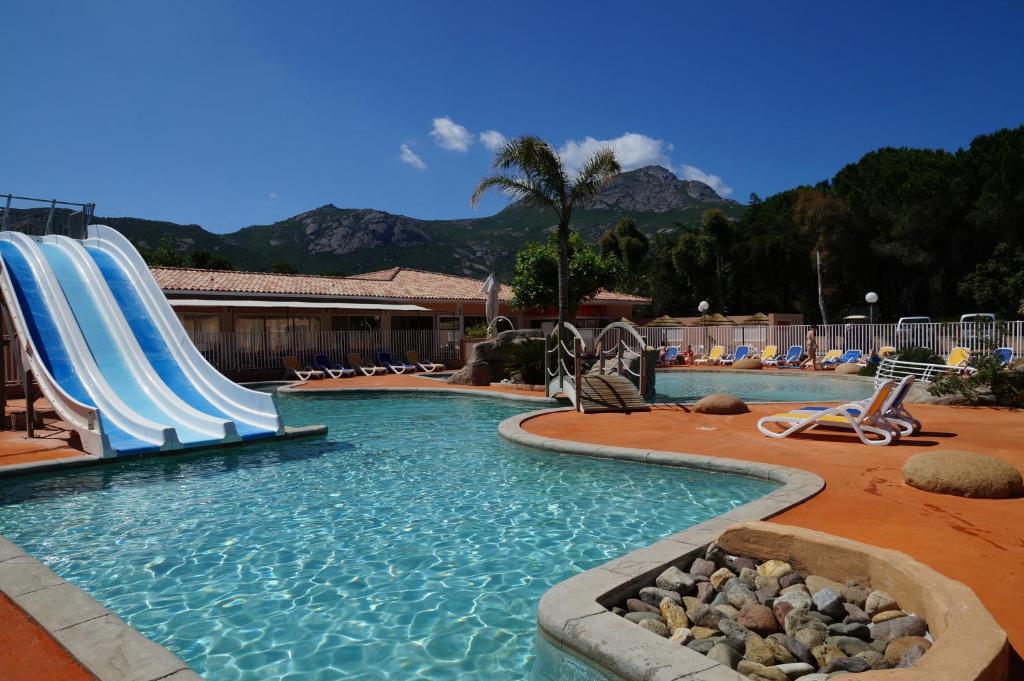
[(811, 345)]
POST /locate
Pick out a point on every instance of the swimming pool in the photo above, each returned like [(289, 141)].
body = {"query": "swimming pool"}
[(413, 543), (755, 386)]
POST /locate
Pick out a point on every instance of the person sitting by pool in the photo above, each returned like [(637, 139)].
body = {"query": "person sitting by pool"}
[(688, 356), (662, 349)]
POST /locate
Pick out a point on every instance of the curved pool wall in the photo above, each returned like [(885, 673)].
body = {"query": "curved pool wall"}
[(412, 543), (783, 385)]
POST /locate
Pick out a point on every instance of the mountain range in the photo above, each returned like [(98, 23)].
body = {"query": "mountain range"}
[(332, 240)]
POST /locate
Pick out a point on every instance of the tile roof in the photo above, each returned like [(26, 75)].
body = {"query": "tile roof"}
[(397, 283)]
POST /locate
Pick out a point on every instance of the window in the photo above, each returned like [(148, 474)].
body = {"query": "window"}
[(409, 323), (355, 323), (198, 323)]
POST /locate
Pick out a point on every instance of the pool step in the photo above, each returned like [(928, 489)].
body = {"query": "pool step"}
[(610, 392)]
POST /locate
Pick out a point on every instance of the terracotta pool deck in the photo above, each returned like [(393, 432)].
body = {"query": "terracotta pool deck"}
[(977, 541)]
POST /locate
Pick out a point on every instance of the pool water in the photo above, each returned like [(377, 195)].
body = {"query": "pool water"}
[(754, 386), (413, 543)]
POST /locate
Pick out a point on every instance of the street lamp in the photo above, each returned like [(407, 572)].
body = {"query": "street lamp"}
[(703, 307), (871, 298)]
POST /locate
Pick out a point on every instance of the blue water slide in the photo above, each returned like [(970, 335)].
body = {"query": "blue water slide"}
[(167, 346), (62, 367), (116, 354), (155, 347)]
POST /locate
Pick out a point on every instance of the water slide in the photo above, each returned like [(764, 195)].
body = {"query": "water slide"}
[(109, 353)]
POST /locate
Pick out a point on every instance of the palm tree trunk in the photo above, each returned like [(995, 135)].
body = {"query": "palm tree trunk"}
[(564, 313), (821, 294)]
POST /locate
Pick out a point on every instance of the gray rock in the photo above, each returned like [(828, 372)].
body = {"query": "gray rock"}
[(709, 617), (803, 619), (766, 594), (674, 579), (747, 576), (490, 358), (720, 599), (860, 631), (616, 610), (847, 664), (652, 595), (910, 656), (724, 654), (855, 615), (898, 628), (655, 627), (705, 592), (742, 562), (727, 610), (796, 648), (879, 601), (828, 602), (636, 605), (717, 556), (811, 638), (849, 645), (703, 645), (814, 677), (638, 617), (702, 567), (791, 579), (765, 582), (739, 594), (873, 658), (795, 670)]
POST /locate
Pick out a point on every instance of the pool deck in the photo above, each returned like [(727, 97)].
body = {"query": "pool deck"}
[(977, 541)]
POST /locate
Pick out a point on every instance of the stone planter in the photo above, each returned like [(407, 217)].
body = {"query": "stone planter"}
[(969, 644)]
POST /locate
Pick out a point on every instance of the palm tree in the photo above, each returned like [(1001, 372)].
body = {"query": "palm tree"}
[(528, 169)]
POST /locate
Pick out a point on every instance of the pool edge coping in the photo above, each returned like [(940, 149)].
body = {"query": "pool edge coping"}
[(572, 614)]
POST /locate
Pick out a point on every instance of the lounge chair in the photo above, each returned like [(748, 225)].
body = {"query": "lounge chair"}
[(1005, 355), (742, 351), (867, 421), (792, 358), (356, 362), (895, 412), (886, 351), (303, 373), (393, 366), (413, 357), (769, 354), (848, 357), (670, 355), (332, 369), (827, 359), (959, 357), (712, 357)]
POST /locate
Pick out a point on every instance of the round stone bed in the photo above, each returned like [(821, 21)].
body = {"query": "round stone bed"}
[(963, 474), (776, 603)]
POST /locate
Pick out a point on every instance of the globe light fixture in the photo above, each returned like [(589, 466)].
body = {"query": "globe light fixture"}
[(702, 307), (871, 298)]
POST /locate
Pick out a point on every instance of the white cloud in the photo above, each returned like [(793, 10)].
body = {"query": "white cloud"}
[(448, 134), (492, 139), (273, 195), (713, 181), (409, 157), (632, 149)]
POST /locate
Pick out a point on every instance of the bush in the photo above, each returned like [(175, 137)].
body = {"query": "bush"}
[(991, 383), (526, 359), (868, 369), (918, 354), (477, 332)]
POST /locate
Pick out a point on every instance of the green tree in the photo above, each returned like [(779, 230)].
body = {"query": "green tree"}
[(820, 217), (997, 284), (703, 258), (535, 275), (630, 246), (204, 260), (283, 267), (166, 254), (528, 169)]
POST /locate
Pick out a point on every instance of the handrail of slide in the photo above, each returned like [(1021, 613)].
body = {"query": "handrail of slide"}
[(236, 401), (893, 368), (81, 417), (176, 409), (106, 400)]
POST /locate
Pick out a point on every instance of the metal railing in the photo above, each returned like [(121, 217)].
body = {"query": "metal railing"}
[(562, 361), (74, 225), (615, 341), (893, 369)]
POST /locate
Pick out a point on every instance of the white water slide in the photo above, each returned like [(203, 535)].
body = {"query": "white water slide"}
[(111, 356)]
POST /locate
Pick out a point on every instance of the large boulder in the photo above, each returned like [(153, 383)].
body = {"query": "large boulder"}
[(489, 360), (720, 403), (747, 363), (848, 368), (964, 474)]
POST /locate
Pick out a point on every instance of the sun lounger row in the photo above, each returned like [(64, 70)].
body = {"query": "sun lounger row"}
[(324, 367)]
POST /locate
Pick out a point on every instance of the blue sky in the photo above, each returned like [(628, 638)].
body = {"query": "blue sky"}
[(235, 113)]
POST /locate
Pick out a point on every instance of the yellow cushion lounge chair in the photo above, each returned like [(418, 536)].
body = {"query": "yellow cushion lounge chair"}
[(355, 361), (292, 366), (413, 357), (958, 357), (768, 354), (830, 357), (886, 351), (712, 357), (865, 420)]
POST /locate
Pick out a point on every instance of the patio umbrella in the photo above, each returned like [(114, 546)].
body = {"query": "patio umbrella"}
[(663, 320), (624, 320), (718, 320), (759, 319), (491, 288)]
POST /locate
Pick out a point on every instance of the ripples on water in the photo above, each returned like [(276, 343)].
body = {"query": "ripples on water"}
[(413, 543)]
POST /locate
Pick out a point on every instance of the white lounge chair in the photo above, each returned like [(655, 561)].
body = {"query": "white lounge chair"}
[(867, 421), (303, 373), (355, 361), (413, 357), (895, 412), (393, 366), (712, 357), (332, 369)]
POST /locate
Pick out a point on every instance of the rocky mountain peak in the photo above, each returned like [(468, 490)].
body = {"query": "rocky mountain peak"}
[(653, 189)]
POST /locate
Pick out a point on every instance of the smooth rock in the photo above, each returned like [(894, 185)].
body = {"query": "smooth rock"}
[(847, 664), (856, 595), (747, 576), (674, 615), (779, 650), (731, 628), (829, 602), (616, 610), (638, 617), (899, 628), (757, 650), (739, 594), (826, 653), (795, 670), (888, 615), (874, 658), (704, 632), (675, 579), (691, 605), (811, 638), (794, 588), (681, 636), (855, 615), (707, 617), (774, 568), (787, 603), (803, 619), (703, 567), (816, 583), (766, 594), (759, 672), (636, 605), (797, 649), (964, 474), (720, 403), (655, 627), (896, 649), (720, 599), (705, 592), (653, 595), (719, 577), (879, 601), (765, 582), (791, 579), (723, 654), (727, 610), (860, 631), (814, 677), (743, 562), (849, 645), (910, 657), (703, 645), (758, 618)]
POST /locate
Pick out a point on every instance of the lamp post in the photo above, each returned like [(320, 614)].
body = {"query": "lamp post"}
[(702, 308), (871, 298)]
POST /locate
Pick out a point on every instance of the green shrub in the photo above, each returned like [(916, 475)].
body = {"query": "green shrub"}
[(477, 332), (868, 369), (918, 354), (992, 382), (526, 359)]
